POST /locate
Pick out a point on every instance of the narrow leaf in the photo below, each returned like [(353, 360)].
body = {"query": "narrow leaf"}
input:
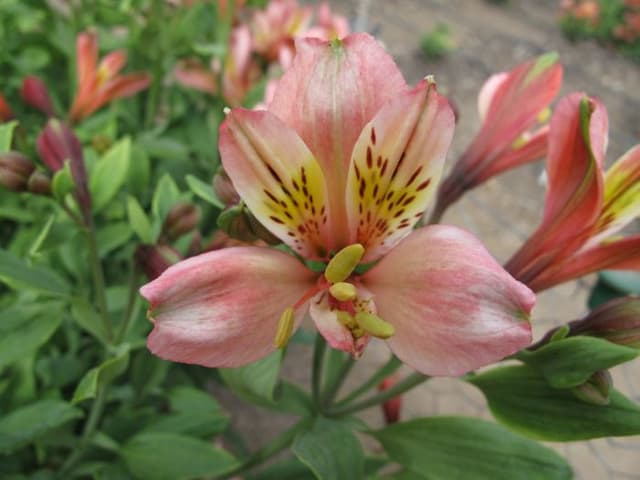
[(109, 174), (204, 191), (18, 274)]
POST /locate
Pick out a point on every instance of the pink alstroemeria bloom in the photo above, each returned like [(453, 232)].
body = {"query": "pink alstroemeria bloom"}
[(513, 107), (100, 83), (584, 206), (328, 24), (340, 167)]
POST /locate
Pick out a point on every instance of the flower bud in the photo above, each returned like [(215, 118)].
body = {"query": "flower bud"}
[(34, 92), (15, 169), (39, 183), (224, 189), (617, 321), (155, 259), (5, 110), (240, 224), (596, 389), (390, 408), (181, 219)]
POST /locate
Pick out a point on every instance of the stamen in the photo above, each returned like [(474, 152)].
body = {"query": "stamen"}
[(343, 291), (544, 115), (285, 328), (343, 263), (374, 325), (346, 319)]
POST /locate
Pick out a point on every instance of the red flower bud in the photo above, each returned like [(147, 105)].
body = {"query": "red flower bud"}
[(15, 169), (39, 183), (224, 189), (617, 321), (34, 92), (390, 408), (5, 111), (155, 259)]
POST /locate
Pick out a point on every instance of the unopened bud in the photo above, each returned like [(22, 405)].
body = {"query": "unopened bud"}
[(596, 389), (260, 231), (617, 321), (39, 183), (240, 224), (224, 189), (391, 408), (181, 219), (5, 110), (34, 92), (15, 169), (155, 259)]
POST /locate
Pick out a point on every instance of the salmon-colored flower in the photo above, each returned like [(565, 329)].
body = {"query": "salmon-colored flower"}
[(340, 168), (585, 207), (100, 83), (513, 108)]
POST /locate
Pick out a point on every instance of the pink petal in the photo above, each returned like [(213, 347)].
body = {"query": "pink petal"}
[(278, 179), (221, 309), (574, 196), (396, 165), (112, 63), (488, 91), (453, 307), (329, 94), (336, 334), (193, 74), (621, 254)]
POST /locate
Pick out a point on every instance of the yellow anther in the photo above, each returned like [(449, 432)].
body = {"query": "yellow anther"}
[(544, 115), (346, 319), (343, 263), (374, 325), (343, 291), (285, 328)]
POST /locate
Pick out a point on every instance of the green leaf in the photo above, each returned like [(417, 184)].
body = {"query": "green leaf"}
[(6, 135), (520, 398), (18, 274), (204, 191), (62, 183), (289, 469), (86, 316), (570, 362), (139, 221), (26, 424), (165, 196), (330, 450), (166, 456), (99, 376), (458, 447), (23, 329), (113, 236), (256, 382), (109, 174), (193, 412), (42, 236)]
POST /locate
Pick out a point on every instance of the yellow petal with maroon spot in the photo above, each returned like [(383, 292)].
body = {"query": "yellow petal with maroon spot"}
[(395, 168), (278, 178)]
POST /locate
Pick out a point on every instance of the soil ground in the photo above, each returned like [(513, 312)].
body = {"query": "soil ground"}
[(504, 211)]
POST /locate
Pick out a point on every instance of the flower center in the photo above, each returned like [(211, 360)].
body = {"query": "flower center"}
[(355, 314)]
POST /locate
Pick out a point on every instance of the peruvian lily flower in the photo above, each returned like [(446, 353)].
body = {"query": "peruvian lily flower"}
[(513, 108), (100, 83), (585, 207), (340, 167)]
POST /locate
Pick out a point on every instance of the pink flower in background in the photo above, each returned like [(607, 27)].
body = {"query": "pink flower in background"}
[(5, 111), (585, 207), (101, 83), (512, 106), (340, 167)]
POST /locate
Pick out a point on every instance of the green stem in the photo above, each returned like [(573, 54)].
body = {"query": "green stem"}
[(89, 428), (405, 385), (98, 280), (131, 302), (334, 384), (388, 369), (316, 372), (278, 444)]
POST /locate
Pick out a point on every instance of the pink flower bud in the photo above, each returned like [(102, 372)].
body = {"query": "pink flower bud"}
[(390, 408), (596, 389), (155, 259), (181, 219), (5, 111), (34, 92), (15, 169), (39, 183)]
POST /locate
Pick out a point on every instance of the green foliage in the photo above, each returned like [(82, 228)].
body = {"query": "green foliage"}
[(453, 447), (520, 398), (438, 42)]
